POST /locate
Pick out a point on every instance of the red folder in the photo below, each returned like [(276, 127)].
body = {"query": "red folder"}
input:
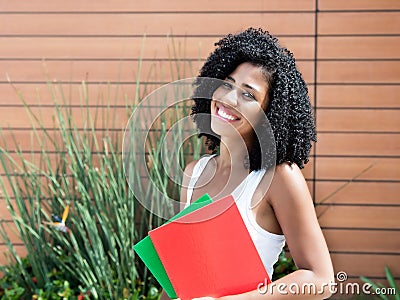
[(209, 252)]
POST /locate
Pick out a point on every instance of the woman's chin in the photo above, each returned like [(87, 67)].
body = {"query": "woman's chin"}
[(223, 128)]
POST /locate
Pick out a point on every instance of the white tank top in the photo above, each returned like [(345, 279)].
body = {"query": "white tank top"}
[(269, 245)]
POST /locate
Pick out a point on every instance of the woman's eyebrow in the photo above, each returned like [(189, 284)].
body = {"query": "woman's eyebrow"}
[(244, 84), (249, 87)]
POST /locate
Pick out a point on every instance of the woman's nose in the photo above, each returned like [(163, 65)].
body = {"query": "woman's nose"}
[(230, 98)]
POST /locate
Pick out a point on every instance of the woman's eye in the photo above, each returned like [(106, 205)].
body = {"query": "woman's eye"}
[(249, 95), (227, 85)]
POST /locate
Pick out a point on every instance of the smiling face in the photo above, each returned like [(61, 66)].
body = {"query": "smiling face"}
[(239, 103)]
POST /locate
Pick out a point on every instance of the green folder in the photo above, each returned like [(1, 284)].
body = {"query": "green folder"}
[(146, 251)]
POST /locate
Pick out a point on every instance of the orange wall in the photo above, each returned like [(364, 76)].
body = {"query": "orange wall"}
[(347, 51)]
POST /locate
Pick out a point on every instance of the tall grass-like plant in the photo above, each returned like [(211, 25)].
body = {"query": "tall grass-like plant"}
[(389, 292), (81, 168)]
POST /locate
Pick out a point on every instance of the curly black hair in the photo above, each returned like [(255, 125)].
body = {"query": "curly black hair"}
[(289, 109)]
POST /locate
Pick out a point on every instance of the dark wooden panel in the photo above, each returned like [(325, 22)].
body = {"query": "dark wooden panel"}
[(362, 241), (358, 4), (375, 193), (358, 144), (155, 23), (358, 72), (358, 96), (359, 23), (357, 217), (156, 5), (360, 47), (359, 168)]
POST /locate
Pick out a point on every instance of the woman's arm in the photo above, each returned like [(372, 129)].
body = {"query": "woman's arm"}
[(291, 201)]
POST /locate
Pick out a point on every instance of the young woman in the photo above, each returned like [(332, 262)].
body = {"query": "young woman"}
[(259, 78)]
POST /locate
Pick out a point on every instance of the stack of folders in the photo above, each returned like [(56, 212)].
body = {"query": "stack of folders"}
[(205, 250)]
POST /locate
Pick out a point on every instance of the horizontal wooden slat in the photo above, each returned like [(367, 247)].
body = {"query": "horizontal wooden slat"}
[(358, 96), (357, 4), (358, 144), (365, 265), (43, 161), (76, 94), (100, 118), (73, 94), (358, 72), (358, 120), (106, 71), (154, 5), (376, 193), (377, 169), (46, 114), (359, 47), (355, 217), (156, 23), (359, 23), (111, 71), (129, 47), (31, 143), (107, 47), (363, 241)]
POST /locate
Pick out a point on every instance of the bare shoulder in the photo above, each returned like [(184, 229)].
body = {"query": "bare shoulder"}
[(288, 172), (288, 184), (188, 172), (189, 168)]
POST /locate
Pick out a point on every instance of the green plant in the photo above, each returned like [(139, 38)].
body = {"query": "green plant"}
[(84, 170), (378, 287), (285, 265), (57, 286)]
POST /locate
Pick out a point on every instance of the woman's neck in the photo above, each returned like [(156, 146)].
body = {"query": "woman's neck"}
[(234, 156)]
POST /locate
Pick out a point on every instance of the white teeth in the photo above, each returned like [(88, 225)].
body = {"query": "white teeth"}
[(225, 115)]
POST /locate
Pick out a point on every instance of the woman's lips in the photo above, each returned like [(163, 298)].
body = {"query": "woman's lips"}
[(225, 114)]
